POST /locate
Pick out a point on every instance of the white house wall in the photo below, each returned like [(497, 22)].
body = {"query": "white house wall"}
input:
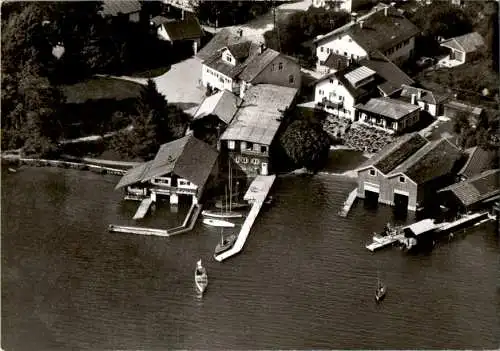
[(163, 34), (342, 45), (325, 89), (212, 77)]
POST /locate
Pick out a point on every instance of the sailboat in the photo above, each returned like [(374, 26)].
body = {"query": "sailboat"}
[(200, 277), (225, 243), (236, 205), (381, 290), (228, 210)]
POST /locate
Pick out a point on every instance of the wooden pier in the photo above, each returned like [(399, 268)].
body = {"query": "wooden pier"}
[(346, 207), (380, 243), (256, 195), (143, 208), (187, 225)]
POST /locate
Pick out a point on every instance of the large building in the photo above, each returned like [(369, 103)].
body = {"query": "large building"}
[(249, 137), (384, 29), (408, 172), (181, 167)]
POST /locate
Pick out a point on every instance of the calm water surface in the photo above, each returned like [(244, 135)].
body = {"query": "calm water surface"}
[(304, 279)]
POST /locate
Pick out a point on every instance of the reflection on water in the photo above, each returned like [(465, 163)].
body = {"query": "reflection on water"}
[(303, 280)]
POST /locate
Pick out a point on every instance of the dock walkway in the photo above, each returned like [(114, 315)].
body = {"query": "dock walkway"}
[(187, 225), (256, 194), (346, 207), (380, 243), (143, 208)]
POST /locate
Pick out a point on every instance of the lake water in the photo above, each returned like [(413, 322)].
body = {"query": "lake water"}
[(303, 281)]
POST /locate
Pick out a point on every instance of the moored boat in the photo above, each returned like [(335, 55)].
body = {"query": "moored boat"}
[(225, 243), (234, 205), (217, 222), (218, 214), (381, 290), (200, 277)]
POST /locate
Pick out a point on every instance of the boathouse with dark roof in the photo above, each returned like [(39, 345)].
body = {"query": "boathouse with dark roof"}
[(182, 167), (476, 193), (408, 172)]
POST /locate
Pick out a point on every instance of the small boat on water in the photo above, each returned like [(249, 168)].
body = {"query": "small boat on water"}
[(12, 170), (225, 243), (381, 291), (200, 277), (234, 205), (218, 214), (217, 223)]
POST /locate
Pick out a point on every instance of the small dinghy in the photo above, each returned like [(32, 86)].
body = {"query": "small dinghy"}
[(381, 291), (217, 223), (12, 170), (200, 277)]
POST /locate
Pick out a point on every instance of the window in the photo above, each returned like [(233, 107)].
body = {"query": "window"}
[(321, 48), (373, 172), (327, 50), (331, 81), (291, 79), (320, 92), (244, 160), (230, 144), (255, 161), (263, 149), (402, 179), (341, 98), (249, 146), (350, 40), (228, 58), (345, 53), (280, 66)]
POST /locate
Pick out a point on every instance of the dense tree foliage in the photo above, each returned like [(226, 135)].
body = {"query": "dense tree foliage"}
[(228, 13), (296, 29), (483, 132), (306, 144), (154, 123)]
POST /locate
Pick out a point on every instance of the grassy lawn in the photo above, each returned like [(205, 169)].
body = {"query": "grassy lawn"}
[(151, 73), (100, 88)]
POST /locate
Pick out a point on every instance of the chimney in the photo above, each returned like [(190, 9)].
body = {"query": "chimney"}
[(419, 94), (386, 11), (361, 24), (354, 17), (413, 99)]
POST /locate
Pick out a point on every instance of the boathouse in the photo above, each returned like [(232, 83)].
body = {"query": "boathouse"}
[(408, 172), (476, 193), (182, 167)]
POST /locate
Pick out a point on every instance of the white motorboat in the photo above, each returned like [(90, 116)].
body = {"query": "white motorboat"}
[(217, 223)]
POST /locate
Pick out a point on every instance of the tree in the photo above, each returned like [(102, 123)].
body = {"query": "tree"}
[(306, 144), (154, 123)]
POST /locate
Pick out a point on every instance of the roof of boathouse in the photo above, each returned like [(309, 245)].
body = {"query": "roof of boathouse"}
[(187, 157)]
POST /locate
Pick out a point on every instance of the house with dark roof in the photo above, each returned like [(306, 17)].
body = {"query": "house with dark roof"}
[(249, 138), (182, 167), (383, 29), (430, 102), (393, 115), (478, 192), (478, 161), (340, 5), (408, 172), (464, 47), (129, 8), (187, 29), (339, 92), (238, 66)]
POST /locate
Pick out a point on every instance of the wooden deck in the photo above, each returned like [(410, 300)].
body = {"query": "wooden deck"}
[(346, 207), (143, 208)]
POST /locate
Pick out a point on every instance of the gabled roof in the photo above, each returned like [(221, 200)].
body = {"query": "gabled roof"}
[(387, 107), (477, 188), (356, 92), (187, 157), (478, 161), (259, 117), (456, 105), (224, 105), (379, 32), (224, 38), (243, 52), (425, 95), (336, 61), (257, 64), (435, 159), (467, 43), (159, 20), (392, 155), (189, 28), (114, 8), (394, 78)]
